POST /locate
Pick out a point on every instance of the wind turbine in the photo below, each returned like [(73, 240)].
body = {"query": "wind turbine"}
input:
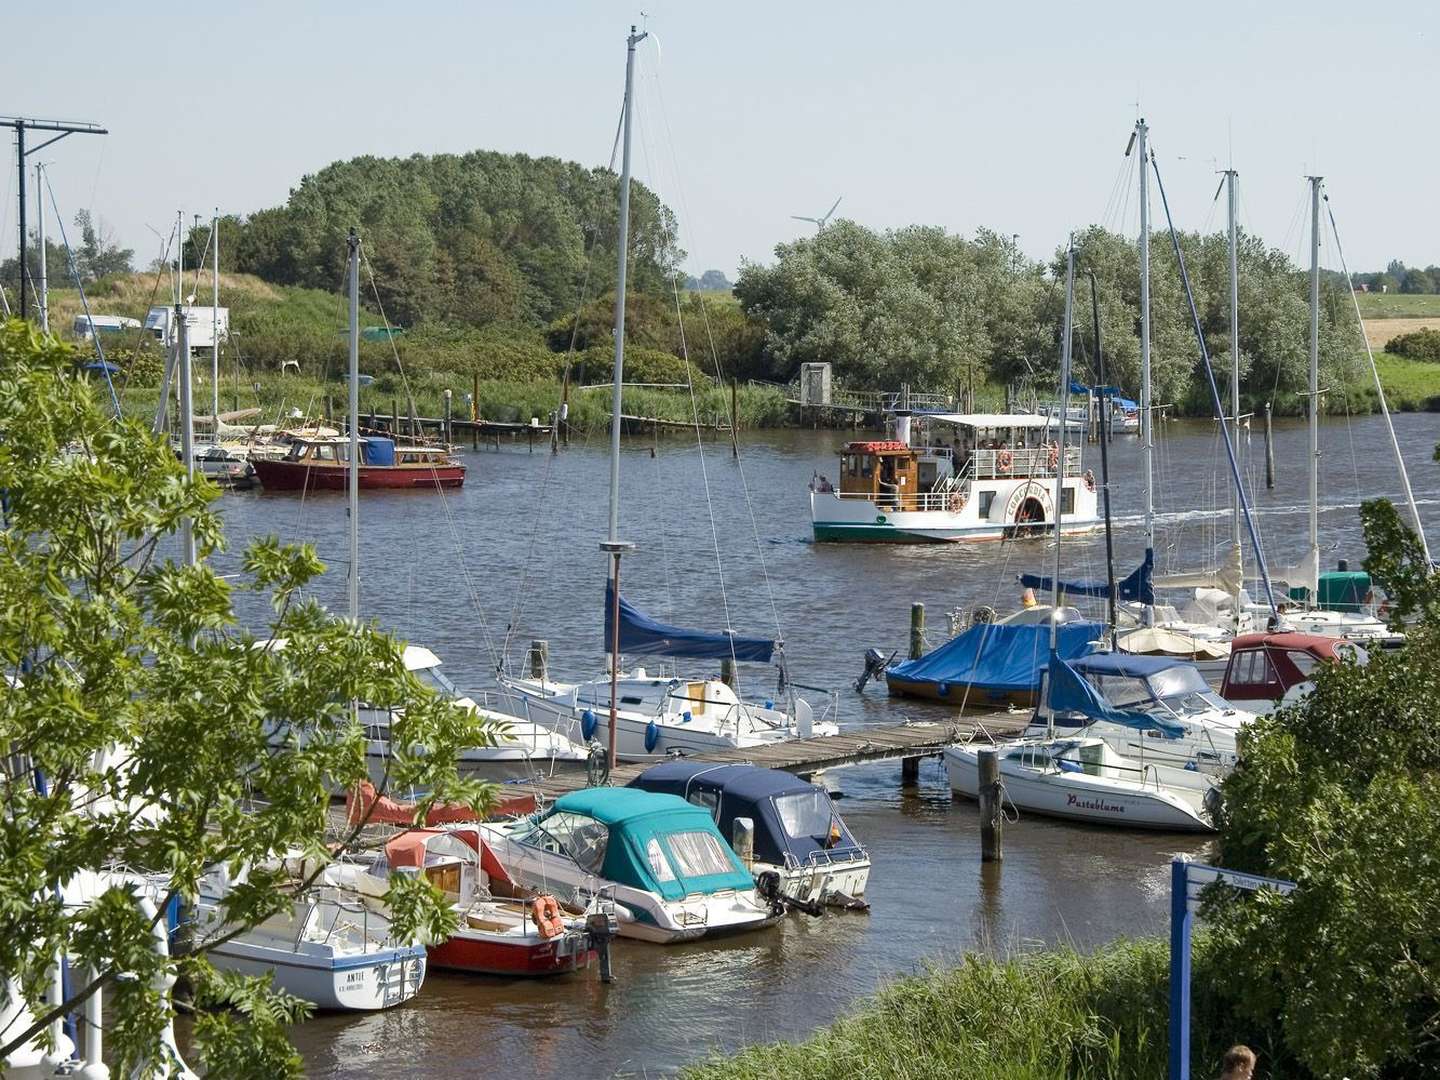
[(819, 222)]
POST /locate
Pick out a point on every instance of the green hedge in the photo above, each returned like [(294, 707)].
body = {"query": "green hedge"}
[(1423, 344)]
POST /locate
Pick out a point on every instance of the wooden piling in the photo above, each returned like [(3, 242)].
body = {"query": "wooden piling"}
[(734, 417), (448, 416), (727, 672), (539, 658), (394, 416), (1269, 451), (917, 631), (475, 413), (329, 408), (909, 771), (992, 818)]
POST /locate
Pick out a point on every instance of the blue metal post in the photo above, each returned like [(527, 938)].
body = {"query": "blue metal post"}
[(1180, 923)]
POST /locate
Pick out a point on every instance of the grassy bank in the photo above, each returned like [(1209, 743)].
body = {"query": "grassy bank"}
[(1055, 1015), (1399, 305)]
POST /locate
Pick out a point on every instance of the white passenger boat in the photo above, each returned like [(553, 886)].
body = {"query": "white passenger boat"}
[(994, 479), (671, 874), (331, 947)]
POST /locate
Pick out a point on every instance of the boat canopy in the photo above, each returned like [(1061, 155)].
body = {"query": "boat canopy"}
[(1137, 586), (640, 635), (1068, 691), (999, 656), (795, 821), (659, 843), (991, 420)]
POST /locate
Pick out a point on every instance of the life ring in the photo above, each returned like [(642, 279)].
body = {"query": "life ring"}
[(546, 912), (1089, 480), (1004, 460), (957, 501), (1054, 456)]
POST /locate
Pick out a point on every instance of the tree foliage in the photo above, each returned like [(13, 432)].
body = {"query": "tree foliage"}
[(146, 729), (1342, 795)]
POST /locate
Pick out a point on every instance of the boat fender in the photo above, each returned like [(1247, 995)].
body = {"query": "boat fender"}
[(587, 724), (652, 736), (545, 910), (769, 704)]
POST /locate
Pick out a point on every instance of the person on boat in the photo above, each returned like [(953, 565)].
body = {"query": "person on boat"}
[(824, 484), (1238, 1063)]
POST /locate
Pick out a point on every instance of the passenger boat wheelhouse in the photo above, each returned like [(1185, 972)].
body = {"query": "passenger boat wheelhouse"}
[(967, 476), (323, 463)]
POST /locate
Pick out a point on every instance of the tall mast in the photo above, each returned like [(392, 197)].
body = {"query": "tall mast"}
[(1314, 393), (215, 327), (1232, 180), (353, 243), (1147, 419), (613, 545), (1105, 407), (187, 426), (43, 286), (1060, 455)]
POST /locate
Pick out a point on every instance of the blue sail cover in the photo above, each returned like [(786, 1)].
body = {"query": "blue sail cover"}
[(1069, 692), (640, 635), (991, 656), (1139, 586)]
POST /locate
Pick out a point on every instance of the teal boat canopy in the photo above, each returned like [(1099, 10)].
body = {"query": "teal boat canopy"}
[(659, 843)]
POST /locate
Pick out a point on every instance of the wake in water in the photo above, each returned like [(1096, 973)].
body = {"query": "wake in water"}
[(1129, 521)]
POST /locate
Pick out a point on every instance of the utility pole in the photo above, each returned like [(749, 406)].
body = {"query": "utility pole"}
[(22, 125)]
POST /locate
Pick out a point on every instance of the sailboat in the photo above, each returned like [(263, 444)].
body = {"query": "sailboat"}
[(640, 715), (1083, 776)]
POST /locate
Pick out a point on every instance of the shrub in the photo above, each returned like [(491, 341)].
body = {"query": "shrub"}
[(1423, 344)]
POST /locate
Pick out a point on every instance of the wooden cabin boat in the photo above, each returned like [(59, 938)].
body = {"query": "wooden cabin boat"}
[(323, 463), (993, 479)]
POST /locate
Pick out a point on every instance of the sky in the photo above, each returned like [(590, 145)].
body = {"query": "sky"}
[(1011, 116)]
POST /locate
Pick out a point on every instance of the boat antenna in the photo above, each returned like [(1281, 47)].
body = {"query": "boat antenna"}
[(1060, 458), (613, 545), (1379, 390), (353, 418), (1215, 399), (1105, 407)]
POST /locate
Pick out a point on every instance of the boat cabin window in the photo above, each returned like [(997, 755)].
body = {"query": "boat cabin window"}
[(1034, 759), (1067, 500), (324, 452), (706, 800), (987, 500), (1303, 661), (698, 854), (1092, 758), (805, 813), (577, 835), (1252, 668), (445, 877), (659, 864)]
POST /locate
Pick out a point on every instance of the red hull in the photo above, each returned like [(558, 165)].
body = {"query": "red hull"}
[(488, 955), (299, 476)]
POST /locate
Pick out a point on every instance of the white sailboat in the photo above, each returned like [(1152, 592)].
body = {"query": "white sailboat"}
[(638, 715), (1083, 776)]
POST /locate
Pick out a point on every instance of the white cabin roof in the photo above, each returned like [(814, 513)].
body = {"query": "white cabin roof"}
[(992, 420)]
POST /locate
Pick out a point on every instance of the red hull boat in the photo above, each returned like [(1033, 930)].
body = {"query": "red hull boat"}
[(323, 464), (485, 953)]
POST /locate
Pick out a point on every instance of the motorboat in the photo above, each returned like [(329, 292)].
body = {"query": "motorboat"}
[(658, 716), (670, 872), (1198, 727), (786, 826), (1269, 671), (323, 464), (514, 934), (523, 749), (1082, 778), (332, 947)]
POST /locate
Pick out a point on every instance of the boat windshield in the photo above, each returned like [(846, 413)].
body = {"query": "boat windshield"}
[(805, 813), (698, 854), (577, 835), (434, 680), (1180, 688)]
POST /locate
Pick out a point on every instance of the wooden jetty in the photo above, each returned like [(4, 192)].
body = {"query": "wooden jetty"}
[(909, 742)]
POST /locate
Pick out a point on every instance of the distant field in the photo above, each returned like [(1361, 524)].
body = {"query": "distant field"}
[(1399, 305), (1379, 331), (1410, 385)]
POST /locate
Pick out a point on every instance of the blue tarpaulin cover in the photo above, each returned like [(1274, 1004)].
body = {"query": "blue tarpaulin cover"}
[(1068, 692), (991, 656), (640, 635), (1126, 403), (1139, 586)]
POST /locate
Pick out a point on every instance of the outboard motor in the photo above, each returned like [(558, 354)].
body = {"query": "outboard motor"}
[(875, 665)]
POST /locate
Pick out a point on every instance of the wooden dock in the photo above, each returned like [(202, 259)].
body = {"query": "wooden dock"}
[(909, 742)]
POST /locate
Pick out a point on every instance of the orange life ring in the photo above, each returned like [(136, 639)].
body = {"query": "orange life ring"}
[(1054, 456), (1089, 480), (546, 912), (1004, 460), (957, 502)]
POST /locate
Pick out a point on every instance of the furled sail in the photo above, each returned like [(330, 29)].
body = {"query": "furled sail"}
[(640, 635), (1138, 586), (1069, 692), (1228, 576)]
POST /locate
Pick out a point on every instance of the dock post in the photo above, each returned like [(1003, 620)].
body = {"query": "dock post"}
[(734, 417), (394, 417), (475, 413), (992, 832), (1269, 451), (329, 408), (909, 771), (917, 631), (727, 672), (447, 416), (539, 658)]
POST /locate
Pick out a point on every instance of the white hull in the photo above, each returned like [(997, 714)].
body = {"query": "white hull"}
[(367, 982), (823, 883), (1079, 796), (1013, 507)]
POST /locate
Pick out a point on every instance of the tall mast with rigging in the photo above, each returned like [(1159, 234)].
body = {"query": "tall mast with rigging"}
[(1232, 180), (353, 419), (215, 327), (1312, 563), (1147, 432), (613, 545), (1060, 456), (43, 286)]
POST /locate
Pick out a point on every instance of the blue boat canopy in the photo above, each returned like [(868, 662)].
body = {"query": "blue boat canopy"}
[(640, 635), (1069, 692), (1139, 586), (795, 821), (1126, 665), (998, 656), (1126, 403)]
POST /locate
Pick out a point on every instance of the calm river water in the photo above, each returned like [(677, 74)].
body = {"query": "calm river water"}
[(513, 556)]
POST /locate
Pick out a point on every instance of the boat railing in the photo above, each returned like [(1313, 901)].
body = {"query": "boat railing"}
[(826, 857), (1002, 464)]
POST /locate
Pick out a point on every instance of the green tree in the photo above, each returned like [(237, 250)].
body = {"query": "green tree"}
[(145, 728)]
